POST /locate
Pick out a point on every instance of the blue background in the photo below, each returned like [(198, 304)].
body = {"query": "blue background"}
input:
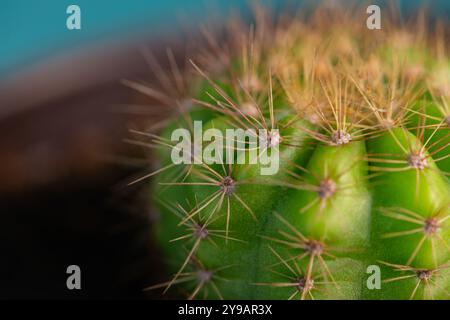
[(34, 29)]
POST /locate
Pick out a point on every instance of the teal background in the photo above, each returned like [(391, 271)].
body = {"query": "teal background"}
[(31, 30)]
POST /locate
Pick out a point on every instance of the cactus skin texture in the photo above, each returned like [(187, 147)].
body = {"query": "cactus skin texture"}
[(364, 122)]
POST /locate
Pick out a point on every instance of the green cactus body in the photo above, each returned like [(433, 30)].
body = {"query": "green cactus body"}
[(361, 181)]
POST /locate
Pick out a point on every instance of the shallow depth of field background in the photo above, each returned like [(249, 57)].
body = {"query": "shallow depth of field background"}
[(63, 162)]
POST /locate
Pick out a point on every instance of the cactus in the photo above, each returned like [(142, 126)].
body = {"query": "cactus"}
[(363, 123)]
